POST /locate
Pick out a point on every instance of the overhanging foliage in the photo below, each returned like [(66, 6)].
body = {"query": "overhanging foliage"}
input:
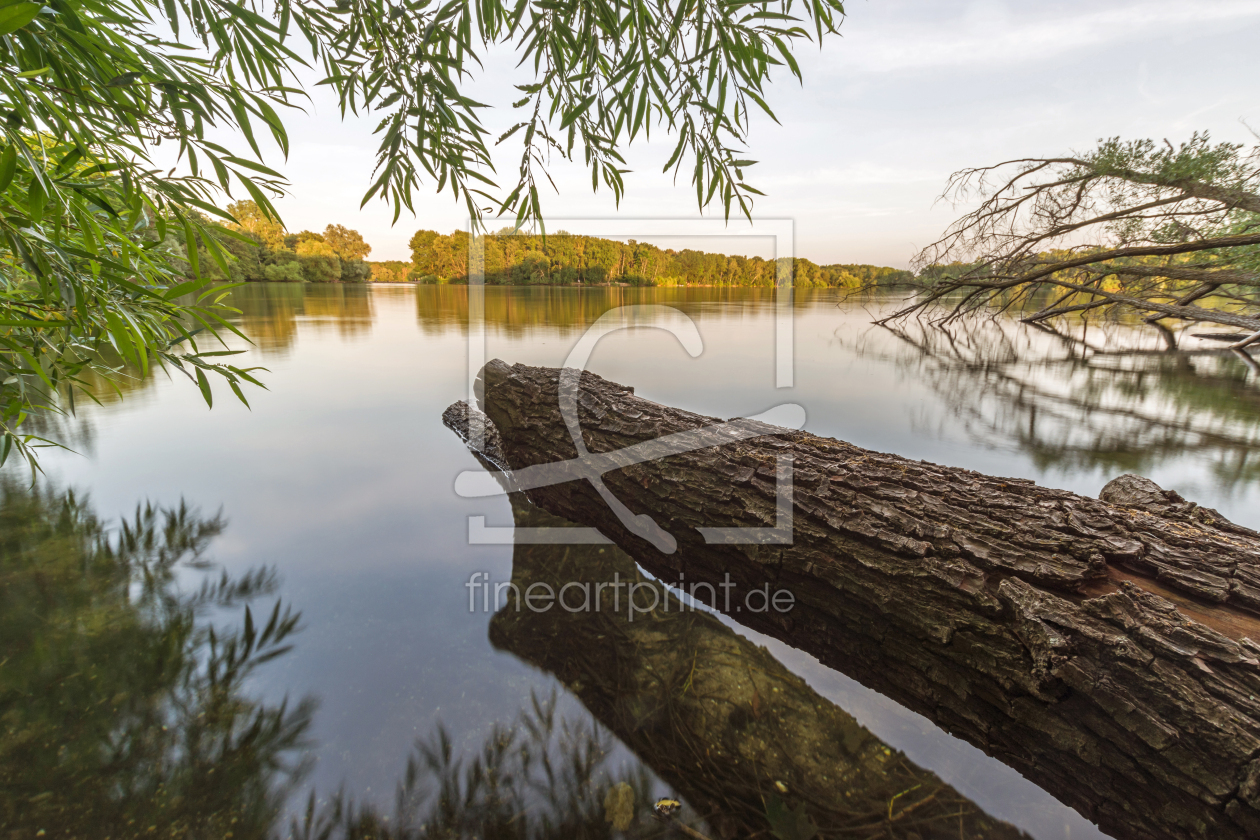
[(100, 247)]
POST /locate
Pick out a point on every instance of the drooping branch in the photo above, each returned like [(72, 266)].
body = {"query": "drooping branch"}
[(1190, 313), (1211, 277)]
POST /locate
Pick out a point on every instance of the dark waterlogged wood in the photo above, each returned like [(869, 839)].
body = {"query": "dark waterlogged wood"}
[(1102, 648), (718, 718)]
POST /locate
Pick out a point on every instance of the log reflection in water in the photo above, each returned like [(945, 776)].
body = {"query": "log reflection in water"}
[(1093, 402), (718, 717)]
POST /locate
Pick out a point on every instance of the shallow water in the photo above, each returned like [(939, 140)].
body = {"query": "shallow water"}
[(340, 478)]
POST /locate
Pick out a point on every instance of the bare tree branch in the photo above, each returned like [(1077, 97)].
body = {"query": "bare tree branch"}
[(1131, 227)]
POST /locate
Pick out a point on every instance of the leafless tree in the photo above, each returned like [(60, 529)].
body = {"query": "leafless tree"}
[(1129, 229)]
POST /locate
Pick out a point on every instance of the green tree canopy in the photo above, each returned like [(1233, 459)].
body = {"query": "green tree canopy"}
[(100, 244), (251, 219), (563, 258), (347, 244)]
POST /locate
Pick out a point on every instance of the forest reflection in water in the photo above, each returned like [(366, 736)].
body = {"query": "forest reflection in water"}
[(339, 475), (515, 311), (125, 709), (121, 702), (270, 313), (1113, 397), (1116, 400)]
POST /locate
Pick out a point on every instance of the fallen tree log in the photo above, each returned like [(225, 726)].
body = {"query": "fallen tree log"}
[(1103, 649), (744, 740)]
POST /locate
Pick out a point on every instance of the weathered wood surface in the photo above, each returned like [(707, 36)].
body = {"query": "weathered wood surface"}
[(717, 717), (1102, 649)]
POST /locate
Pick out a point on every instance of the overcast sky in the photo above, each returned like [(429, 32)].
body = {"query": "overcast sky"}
[(912, 91)]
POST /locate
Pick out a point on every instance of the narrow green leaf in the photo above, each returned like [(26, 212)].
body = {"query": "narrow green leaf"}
[(36, 200), (187, 287), (32, 323), (190, 247), (236, 389), (204, 385), (8, 166)]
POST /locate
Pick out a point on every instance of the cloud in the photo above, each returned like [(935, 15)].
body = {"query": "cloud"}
[(988, 36), (861, 173)]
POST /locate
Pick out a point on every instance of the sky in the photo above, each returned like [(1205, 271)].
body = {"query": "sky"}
[(910, 93)]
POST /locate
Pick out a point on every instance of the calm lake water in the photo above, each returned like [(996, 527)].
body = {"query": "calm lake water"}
[(340, 481)]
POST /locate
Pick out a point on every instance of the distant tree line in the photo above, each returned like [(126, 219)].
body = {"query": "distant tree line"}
[(515, 259), (265, 251), (390, 271)]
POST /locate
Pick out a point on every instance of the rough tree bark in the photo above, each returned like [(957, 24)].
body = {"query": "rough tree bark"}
[(716, 716), (1101, 648)]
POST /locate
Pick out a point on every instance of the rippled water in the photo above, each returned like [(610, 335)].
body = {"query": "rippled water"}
[(340, 480)]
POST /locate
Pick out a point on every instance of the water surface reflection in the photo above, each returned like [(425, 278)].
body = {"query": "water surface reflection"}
[(121, 701), (340, 476), (1112, 403), (270, 313), (748, 743)]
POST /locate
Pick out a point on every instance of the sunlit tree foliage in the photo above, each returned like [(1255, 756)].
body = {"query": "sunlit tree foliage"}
[(564, 259)]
